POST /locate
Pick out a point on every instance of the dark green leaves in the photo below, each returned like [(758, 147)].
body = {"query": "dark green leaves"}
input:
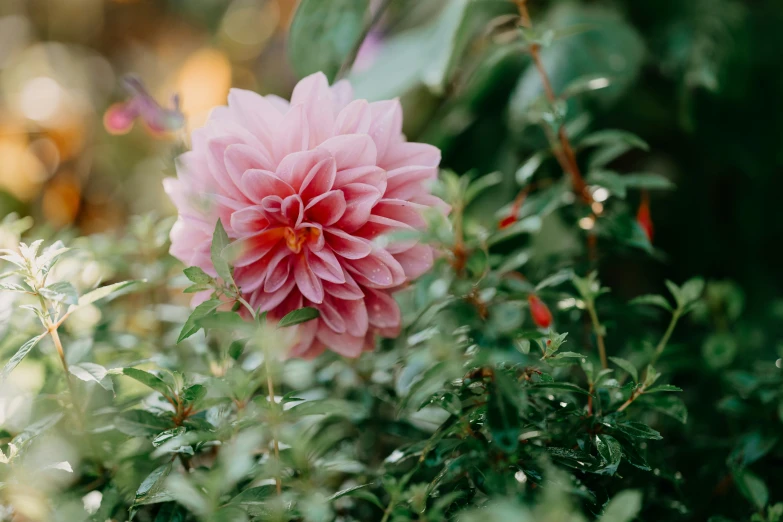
[(322, 34), (627, 366), (637, 430), (611, 453), (299, 316), (503, 415)]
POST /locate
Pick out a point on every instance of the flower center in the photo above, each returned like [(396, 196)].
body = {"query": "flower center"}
[(294, 239)]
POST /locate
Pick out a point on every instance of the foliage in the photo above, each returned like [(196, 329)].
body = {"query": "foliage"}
[(119, 401)]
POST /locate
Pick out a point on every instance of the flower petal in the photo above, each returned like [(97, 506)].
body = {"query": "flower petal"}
[(250, 249), (331, 316), (258, 184), (345, 344), (416, 260), (278, 271), (305, 335), (349, 290), (320, 179), (266, 301), (360, 201), (295, 167), (292, 210), (382, 309), (327, 208), (240, 158), (325, 265), (249, 220), (293, 135), (355, 118), (386, 128), (307, 282), (313, 93), (410, 153), (345, 245), (351, 150)]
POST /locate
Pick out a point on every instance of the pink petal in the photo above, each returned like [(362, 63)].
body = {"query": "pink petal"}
[(368, 175), (265, 302), (360, 200), (405, 154), (258, 184), (250, 249), (314, 95), (320, 179), (307, 282), (345, 245), (379, 225), (316, 349), (305, 333), (428, 200), (378, 270), (316, 240), (293, 135), (345, 344), (342, 94), (278, 271), (348, 290), (355, 118), (354, 313), (405, 182), (292, 210), (325, 265), (327, 208), (401, 211), (256, 113), (351, 150), (416, 260), (249, 220), (331, 317), (217, 165), (241, 158), (382, 309), (295, 167), (386, 128)]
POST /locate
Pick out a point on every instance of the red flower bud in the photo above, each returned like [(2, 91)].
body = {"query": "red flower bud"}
[(643, 217), (539, 311), (507, 221)]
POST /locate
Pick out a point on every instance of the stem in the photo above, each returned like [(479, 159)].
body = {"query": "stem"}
[(351, 58), (634, 395), (59, 345), (271, 391), (599, 337), (665, 339), (567, 160)]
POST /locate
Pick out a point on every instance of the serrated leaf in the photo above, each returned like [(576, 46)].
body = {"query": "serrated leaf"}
[(220, 241), (196, 275), (652, 300), (12, 287), (150, 380), (60, 292), (140, 423), (20, 354), (192, 325), (105, 291), (627, 366), (299, 316), (610, 451), (322, 34), (623, 507), (254, 500)]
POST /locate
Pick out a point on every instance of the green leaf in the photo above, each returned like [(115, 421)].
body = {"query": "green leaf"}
[(613, 137), (611, 181), (667, 404), (299, 316), (192, 325), (663, 388), (322, 34), (692, 290), (152, 489), (197, 275), (528, 169), (254, 500), (358, 492), (652, 300), (103, 292), (752, 487), (637, 430), (91, 372), (323, 407), (12, 287), (627, 366), (503, 417), (561, 386), (555, 279), (610, 451), (60, 292), (623, 507), (195, 393), (167, 435), (719, 350), (219, 242), (150, 380), (647, 180), (140, 423), (482, 184), (20, 354)]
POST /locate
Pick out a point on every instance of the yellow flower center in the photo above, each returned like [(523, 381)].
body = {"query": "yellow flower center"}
[(294, 239)]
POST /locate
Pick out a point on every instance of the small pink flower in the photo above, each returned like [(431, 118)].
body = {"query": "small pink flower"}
[(307, 188)]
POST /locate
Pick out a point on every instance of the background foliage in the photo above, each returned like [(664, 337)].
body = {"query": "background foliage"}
[(473, 412)]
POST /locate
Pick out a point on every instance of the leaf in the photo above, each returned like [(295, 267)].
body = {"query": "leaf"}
[(526, 171), (555, 279), (503, 418), (613, 137), (663, 388), (299, 316), (610, 451), (652, 300), (254, 500), (692, 290), (647, 180), (150, 380), (323, 407), (197, 275), (561, 386), (358, 492), (322, 34), (12, 287), (719, 350), (192, 325), (752, 487), (219, 242), (20, 354), (167, 435), (103, 292), (627, 366), (667, 404), (194, 393), (60, 292), (140, 423), (637, 430), (611, 181), (152, 489), (481, 184), (623, 507), (91, 372)]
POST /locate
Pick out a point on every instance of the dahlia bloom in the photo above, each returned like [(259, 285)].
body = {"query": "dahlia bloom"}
[(308, 189)]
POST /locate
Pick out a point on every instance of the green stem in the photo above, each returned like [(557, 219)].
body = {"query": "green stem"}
[(665, 339), (599, 336)]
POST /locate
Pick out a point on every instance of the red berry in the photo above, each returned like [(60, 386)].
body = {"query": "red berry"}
[(539, 311), (507, 221), (644, 219)]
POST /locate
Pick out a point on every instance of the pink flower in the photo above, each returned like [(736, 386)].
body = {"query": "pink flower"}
[(308, 188)]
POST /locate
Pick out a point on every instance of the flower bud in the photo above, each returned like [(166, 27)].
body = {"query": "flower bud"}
[(539, 311)]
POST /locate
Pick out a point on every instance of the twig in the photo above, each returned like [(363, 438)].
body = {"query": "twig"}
[(599, 336), (665, 339), (271, 391), (351, 58)]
